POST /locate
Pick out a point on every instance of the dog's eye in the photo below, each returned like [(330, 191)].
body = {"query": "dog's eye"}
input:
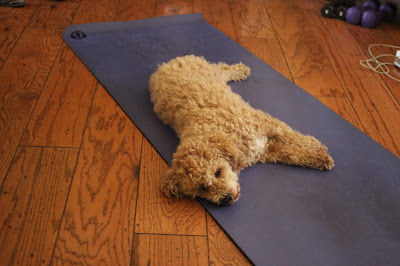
[(217, 173)]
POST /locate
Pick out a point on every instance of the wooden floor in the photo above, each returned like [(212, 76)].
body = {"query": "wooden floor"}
[(79, 182)]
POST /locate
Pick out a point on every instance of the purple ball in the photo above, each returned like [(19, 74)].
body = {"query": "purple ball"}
[(370, 4), (370, 18), (353, 15), (388, 11)]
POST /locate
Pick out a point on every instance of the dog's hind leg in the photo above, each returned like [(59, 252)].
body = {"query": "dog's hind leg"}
[(234, 72), (289, 146)]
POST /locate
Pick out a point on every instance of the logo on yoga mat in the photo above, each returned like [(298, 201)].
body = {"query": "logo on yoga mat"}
[(78, 35)]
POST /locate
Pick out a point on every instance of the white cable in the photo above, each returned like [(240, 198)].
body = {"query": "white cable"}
[(381, 67)]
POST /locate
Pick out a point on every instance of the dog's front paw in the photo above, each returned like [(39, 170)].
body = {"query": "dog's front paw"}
[(328, 162)]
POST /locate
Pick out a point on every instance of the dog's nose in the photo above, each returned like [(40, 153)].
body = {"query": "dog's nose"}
[(227, 199)]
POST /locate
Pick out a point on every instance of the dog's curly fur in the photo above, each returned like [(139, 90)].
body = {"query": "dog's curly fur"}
[(219, 133)]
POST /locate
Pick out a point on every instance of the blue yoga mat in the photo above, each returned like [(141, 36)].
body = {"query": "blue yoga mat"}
[(286, 215)]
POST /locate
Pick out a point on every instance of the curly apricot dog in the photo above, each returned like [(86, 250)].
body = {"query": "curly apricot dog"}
[(219, 133)]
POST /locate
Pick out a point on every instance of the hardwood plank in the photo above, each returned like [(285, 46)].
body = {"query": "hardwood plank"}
[(393, 30), (49, 195), (306, 59), (342, 107), (375, 105), (53, 14), (37, 188), (169, 250), (95, 11), (221, 248), (60, 115), (218, 14), (32, 2), (138, 9), (19, 182), (365, 37), (269, 51), (251, 19), (12, 23), (21, 80), (174, 7), (310, 4), (97, 226), (156, 213)]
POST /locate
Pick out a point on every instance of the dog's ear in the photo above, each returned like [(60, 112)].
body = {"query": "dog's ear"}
[(174, 176), (170, 185)]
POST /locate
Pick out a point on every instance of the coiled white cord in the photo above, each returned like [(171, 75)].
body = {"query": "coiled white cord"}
[(379, 67)]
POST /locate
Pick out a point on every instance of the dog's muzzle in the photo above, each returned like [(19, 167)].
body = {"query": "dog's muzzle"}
[(227, 200)]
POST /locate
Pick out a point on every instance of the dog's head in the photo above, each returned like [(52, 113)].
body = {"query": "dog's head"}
[(205, 167)]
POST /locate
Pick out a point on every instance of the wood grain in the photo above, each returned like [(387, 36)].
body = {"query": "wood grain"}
[(12, 23), (43, 218), (60, 115), (310, 4), (251, 19), (53, 14), (306, 59), (156, 213), (19, 182), (218, 14), (95, 11), (35, 193), (221, 249), (139, 9), (393, 29), (174, 7), (375, 105), (32, 2), (365, 37), (342, 107), (97, 226), (269, 51), (21, 80), (169, 250)]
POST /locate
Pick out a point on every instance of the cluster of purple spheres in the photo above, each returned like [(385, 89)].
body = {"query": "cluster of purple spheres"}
[(369, 14)]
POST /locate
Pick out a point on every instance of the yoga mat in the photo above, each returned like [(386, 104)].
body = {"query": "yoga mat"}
[(286, 215)]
